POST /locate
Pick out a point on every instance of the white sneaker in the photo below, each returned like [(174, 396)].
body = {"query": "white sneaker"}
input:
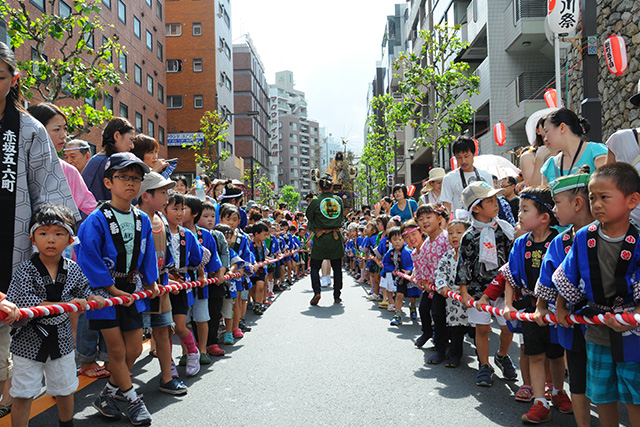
[(373, 297)]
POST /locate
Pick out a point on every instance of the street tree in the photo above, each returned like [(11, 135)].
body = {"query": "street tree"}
[(261, 184), (75, 69), (206, 150), (290, 196)]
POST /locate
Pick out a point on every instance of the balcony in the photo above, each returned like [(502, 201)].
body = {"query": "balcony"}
[(521, 95), (524, 26)]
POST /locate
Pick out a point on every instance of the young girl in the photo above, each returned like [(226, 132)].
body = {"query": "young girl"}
[(522, 272), (445, 280), (571, 198)]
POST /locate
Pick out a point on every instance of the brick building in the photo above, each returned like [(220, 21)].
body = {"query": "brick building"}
[(139, 27)]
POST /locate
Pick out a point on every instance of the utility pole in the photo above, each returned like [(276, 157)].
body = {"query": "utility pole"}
[(591, 106)]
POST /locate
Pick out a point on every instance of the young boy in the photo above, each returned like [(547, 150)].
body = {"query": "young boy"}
[(602, 268), (188, 257), (484, 248), (260, 253), (118, 249), (153, 200), (398, 258), (43, 347)]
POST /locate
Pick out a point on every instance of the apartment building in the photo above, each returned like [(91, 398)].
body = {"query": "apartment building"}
[(139, 28)]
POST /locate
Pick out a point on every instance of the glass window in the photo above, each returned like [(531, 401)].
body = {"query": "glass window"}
[(137, 74), (90, 102), (227, 82), (124, 110), (40, 4), (64, 9), (225, 16), (137, 27), (149, 41), (107, 3), (148, 3), (196, 29), (122, 12), (138, 122), (159, 9), (173, 29), (123, 62), (150, 84), (105, 40), (198, 101), (108, 102), (160, 93), (159, 50), (174, 65), (90, 40), (160, 135), (197, 65), (174, 101), (151, 128)]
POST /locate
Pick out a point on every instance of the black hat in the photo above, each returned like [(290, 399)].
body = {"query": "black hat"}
[(119, 161), (635, 99)]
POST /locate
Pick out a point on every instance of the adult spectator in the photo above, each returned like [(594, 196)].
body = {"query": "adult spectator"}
[(182, 185), (532, 158), (146, 149), (384, 207), (565, 132), (55, 122), (117, 137), (431, 192), (218, 186), (457, 180), (404, 206), (509, 184), (232, 194), (77, 153), (31, 175)]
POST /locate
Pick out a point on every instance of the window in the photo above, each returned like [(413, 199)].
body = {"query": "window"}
[(227, 82), (124, 110), (137, 27), (64, 10), (107, 3), (137, 74), (90, 102), (225, 15), (160, 93), (197, 65), (108, 102), (159, 9), (160, 135), (198, 101), (39, 4), (174, 29), (123, 62), (151, 128), (174, 101), (90, 40), (138, 124), (149, 84), (159, 51), (148, 3), (105, 40), (224, 47), (122, 12), (149, 41), (174, 65), (196, 29)]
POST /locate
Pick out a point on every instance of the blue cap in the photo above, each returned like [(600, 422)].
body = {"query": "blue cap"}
[(122, 160)]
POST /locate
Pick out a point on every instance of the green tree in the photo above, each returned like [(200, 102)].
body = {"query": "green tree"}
[(432, 83), (206, 151), (290, 196), (75, 69), (261, 184)]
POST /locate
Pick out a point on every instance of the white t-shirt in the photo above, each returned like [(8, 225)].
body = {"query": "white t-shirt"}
[(452, 186), (624, 145)]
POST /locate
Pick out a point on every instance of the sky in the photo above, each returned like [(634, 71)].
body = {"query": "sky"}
[(330, 46)]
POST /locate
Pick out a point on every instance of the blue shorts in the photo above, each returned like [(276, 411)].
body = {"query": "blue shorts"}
[(154, 320), (609, 381), (199, 311)]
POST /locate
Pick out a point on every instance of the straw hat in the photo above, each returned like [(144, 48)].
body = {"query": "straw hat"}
[(435, 174)]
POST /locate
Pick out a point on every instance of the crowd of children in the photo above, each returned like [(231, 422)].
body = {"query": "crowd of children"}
[(145, 237), (557, 260)]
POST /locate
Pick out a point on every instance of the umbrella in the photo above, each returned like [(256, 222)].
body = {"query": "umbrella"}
[(496, 165), (532, 122)]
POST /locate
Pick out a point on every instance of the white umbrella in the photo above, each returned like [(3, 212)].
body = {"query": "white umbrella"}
[(496, 165), (532, 122)]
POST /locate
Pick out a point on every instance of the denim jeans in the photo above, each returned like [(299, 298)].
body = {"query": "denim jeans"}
[(90, 345)]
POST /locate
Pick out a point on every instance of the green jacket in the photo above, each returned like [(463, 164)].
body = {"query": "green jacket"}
[(326, 212)]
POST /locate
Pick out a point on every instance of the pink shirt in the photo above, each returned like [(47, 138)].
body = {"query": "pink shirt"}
[(426, 259), (81, 195)]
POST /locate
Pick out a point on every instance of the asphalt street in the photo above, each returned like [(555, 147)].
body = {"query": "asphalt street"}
[(330, 365)]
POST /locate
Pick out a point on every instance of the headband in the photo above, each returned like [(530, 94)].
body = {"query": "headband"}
[(411, 230), (536, 199), (224, 195), (55, 222)]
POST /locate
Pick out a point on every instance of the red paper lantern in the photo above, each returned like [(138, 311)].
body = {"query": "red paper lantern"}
[(500, 133), (615, 52), (411, 190), (475, 142), (454, 163), (551, 98)]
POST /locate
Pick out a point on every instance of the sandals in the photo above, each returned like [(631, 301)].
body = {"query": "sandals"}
[(98, 372), (524, 393), (5, 410)]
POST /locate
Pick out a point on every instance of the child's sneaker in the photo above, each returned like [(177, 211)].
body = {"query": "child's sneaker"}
[(537, 414), (507, 367), (373, 297), (183, 360), (174, 387), (228, 338), (107, 407), (215, 350), (485, 376), (257, 310), (562, 402), (193, 363), (243, 326), (413, 313), (396, 321), (272, 295), (237, 333), (138, 413), (205, 359)]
